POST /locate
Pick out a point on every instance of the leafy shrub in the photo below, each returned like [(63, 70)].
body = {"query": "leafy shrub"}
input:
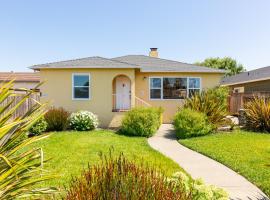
[(257, 114), (191, 123), (141, 121), (83, 121), (38, 127), (57, 119), (20, 165), (212, 102), (198, 189), (119, 178)]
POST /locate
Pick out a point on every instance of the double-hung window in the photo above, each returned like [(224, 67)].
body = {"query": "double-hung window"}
[(81, 86), (155, 88), (194, 86), (173, 87)]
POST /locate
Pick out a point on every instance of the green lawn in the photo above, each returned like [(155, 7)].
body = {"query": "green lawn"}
[(247, 153), (72, 151)]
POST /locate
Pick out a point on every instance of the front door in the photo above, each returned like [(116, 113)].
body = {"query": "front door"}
[(122, 93)]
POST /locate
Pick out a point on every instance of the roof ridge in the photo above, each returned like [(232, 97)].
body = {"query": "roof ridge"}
[(89, 57), (248, 76), (111, 59), (155, 58), (48, 63), (169, 60), (246, 72), (75, 59), (257, 69), (143, 62)]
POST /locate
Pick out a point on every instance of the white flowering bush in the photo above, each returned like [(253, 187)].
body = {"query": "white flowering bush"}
[(83, 121), (198, 188)]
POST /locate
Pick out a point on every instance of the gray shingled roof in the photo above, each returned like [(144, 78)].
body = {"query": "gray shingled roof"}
[(89, 62), (152, 64), (144, 63), (250, 76)]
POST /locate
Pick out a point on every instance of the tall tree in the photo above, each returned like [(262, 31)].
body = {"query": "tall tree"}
[(225, 63)]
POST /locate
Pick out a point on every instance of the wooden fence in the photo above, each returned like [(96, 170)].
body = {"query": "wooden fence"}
[(25, 106), (236, 101)]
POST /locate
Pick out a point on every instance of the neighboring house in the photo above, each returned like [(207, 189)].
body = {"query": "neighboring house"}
[(108, 87), (21, 79), (254, 81), (245, 86)]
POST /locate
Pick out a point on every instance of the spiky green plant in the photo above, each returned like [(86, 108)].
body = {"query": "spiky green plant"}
[(20, 166), (257, 114), (211, 102)]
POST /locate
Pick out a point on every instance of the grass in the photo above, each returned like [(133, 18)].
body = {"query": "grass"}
[(247, 153), (72, 151)]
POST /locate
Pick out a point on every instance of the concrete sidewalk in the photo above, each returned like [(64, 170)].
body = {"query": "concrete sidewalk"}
[(200, 166)]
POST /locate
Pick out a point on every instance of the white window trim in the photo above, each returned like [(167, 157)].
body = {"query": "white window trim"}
[(161, 88), (72, 87), (193, 88), (162, 77)]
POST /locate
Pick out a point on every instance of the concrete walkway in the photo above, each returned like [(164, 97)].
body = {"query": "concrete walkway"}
[(200, 166)]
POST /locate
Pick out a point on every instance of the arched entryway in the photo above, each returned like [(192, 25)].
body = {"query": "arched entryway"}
[(121, 93)]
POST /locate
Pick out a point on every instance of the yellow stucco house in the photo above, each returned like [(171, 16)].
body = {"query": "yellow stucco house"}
[(109, 87)]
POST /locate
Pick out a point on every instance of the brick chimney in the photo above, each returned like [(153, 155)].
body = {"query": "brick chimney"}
[(153, 52)]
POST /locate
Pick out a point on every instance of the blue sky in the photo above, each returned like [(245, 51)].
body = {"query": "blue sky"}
[(34, 32)]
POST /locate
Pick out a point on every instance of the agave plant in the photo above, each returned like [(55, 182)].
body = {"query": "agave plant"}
[(257, 114), (20, 166), (212, 102)]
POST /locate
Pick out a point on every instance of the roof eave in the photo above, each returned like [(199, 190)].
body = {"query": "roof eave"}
[(83, 67), (243, 82), (159, 71)]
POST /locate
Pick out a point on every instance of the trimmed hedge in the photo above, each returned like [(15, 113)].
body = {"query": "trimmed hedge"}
[(189, 123), (141, 121)]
